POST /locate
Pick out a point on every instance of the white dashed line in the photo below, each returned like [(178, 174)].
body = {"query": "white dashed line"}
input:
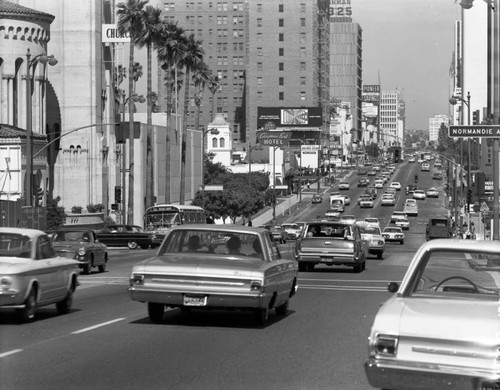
[(10, 353), (96, 326)]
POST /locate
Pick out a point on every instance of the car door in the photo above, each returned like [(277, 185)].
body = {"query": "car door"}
[(97, 249), (50, 273), (280, 273)]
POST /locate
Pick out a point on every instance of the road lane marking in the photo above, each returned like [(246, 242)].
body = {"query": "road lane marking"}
[(97, 326), (10, 353)]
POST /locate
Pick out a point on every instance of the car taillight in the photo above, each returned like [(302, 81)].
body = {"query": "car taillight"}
[(385, 345), (256, 285), (136, 279)]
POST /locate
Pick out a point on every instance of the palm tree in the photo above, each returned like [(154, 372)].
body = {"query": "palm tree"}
[(151, 19), (170, 45), (201, 77), (130, 20), (213, 86), (191, 61)]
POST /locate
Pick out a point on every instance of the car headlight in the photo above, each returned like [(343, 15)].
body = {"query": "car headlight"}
[(136, 279), (81, 251), (385, 345), (5, 283)]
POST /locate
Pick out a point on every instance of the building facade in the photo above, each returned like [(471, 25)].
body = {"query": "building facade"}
[(435, 124)]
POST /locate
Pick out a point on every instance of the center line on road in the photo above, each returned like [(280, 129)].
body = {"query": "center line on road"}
[(96, 326), (10, 353)]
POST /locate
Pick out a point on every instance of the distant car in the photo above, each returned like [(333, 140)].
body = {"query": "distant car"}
[(396, 185), (372, 192), (292, 230), (371, 172), (411, 207), (279, 234), (426, 167), (388, 200), (437, 176), (372, 220), (394, 234), (419, 194), (390, 190), (397, 215), (410, 188), (372, 235), (440, 328), (348, 218), (379, 184), (131, 236), (363, 182), (83, 246), (362, 171), (432, 193), (33, 275), (317, 199), (411, 159), (403, 223), (332, 213), (365, 201), (347, 200), (343, 185), (203, 267)]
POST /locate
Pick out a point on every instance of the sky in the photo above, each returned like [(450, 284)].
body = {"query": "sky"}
[(409, 43)]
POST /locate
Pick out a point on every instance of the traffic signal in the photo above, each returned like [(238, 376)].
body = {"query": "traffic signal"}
[(39, 197), (396, 156), (475, 117), (118, 194), (114, 207), (469, 196)]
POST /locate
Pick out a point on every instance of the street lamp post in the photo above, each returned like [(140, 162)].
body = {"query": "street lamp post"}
[(274, 183), (213, 131), (453, 101), (135, 98), (44, 59), (250, 148)]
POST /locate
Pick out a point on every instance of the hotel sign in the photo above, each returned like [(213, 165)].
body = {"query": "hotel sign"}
[(474, 131), (273, 138)]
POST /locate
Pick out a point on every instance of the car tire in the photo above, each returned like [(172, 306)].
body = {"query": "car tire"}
[(156, 311), (102, 267), (132, 245), (358, 268), (27, 313), (379, 255), (282, 310), (302, 267), (144, 246), (88, 268), (309, 267), (402, 242), (262, 316), (64, 306)]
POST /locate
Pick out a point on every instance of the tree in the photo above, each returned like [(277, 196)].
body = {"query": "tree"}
[(201, 77), (372, 150), (151, 23), (213, 86), (193, 58), (170, 45), (130, 21), (56, 216)]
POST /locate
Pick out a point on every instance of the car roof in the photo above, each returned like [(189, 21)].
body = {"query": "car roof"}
[(32, 233), (223, 228)]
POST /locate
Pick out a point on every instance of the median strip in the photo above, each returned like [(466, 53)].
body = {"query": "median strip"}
[(97, 326)]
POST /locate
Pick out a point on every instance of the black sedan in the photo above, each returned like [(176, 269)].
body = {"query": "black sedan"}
[(131, 236)]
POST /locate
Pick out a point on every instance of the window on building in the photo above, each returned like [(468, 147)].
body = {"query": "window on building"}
[(302, 66), (280, 7), (302, 37), (281, 81), (259, 51), (302, 81), (302, 7), (259, 37), (302, 22), (281, 66), (281, 22), (281, 37), (302, 52), (259, 81), (259, 66), (303, 95), (259, 22), (222, 142), (281, 52), (259, 96), (281, 96), (259, 7), (214, 142)]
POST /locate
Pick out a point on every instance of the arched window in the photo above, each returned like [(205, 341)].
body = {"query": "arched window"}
[(222, 143), (214, 142)]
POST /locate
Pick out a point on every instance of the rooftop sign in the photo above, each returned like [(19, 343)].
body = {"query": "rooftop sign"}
[(475, 131)]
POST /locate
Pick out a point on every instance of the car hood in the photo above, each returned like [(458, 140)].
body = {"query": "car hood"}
[(11, 265), (219, 265), (61, 246)]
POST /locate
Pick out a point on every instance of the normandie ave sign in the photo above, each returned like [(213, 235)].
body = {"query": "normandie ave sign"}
[(474, 131)]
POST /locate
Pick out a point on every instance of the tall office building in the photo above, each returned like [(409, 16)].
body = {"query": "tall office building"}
[(389, 119), (435, 123)]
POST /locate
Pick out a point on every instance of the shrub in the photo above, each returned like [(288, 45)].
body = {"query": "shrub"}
[(95, 208), (76, 209), (56, 216)]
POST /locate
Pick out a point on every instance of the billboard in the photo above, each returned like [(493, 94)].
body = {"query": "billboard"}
[(275, 117)]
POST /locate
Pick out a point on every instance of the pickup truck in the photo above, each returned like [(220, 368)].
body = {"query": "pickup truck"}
[(438, 228), (331, 243)]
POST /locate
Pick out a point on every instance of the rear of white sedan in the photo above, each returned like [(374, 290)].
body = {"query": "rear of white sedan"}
[(440, 330)]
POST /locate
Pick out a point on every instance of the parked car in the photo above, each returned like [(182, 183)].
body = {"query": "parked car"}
[(292, 230), (317, 199), (343, 185), (394, 234), (83, 246), (426, 167), (440, 328), (403, 223), (411, 159), (215, 267), (362, 171), (432, 192), (371, 172), (419, 194), (131, 236), (32, 275)]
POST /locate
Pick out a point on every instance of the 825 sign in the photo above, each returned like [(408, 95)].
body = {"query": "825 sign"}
[(340, 8)]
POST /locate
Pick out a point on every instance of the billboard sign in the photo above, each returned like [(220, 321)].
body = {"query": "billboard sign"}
[(289, 117), (274, 138)]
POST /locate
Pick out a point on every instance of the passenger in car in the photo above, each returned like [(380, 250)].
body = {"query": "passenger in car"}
[(194, 243), (234, 245)]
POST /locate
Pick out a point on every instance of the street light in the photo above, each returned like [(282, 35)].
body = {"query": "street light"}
[(250, 148), (213, 131), (274, 183), (453, 100), (137, 99), (44, 59)]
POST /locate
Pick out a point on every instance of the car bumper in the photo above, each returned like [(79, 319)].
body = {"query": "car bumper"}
[(329, 259), (421, 376), (214, 299), (11, 298)]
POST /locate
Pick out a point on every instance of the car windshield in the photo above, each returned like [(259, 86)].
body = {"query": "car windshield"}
[(457, 274), (75, 236), (206, 242), (332, 230), (392, 230), (370, 230), (14, 245)]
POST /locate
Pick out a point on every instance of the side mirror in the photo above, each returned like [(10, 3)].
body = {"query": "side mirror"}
[(393, 287)]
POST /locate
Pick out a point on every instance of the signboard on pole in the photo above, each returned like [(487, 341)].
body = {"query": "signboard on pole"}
[(274, 138), (481, 131)]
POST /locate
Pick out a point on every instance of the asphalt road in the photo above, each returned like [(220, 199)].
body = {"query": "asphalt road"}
[(108, 342)]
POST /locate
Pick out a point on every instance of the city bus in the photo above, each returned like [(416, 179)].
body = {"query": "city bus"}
[(159, 219)]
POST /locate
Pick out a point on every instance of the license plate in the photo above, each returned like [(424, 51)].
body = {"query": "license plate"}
[(195, 300), (327, 259)]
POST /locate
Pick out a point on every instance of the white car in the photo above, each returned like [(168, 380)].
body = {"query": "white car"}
[(343, 185), (394, 234), (347, 200), (371, 233), (372, 220), (388, 200), (365, 201), (419, 194), (396, 185), (348, 218), (403, 223), (432, 193), (379, 184), (411, 160), (411, 207), (397, 215)]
